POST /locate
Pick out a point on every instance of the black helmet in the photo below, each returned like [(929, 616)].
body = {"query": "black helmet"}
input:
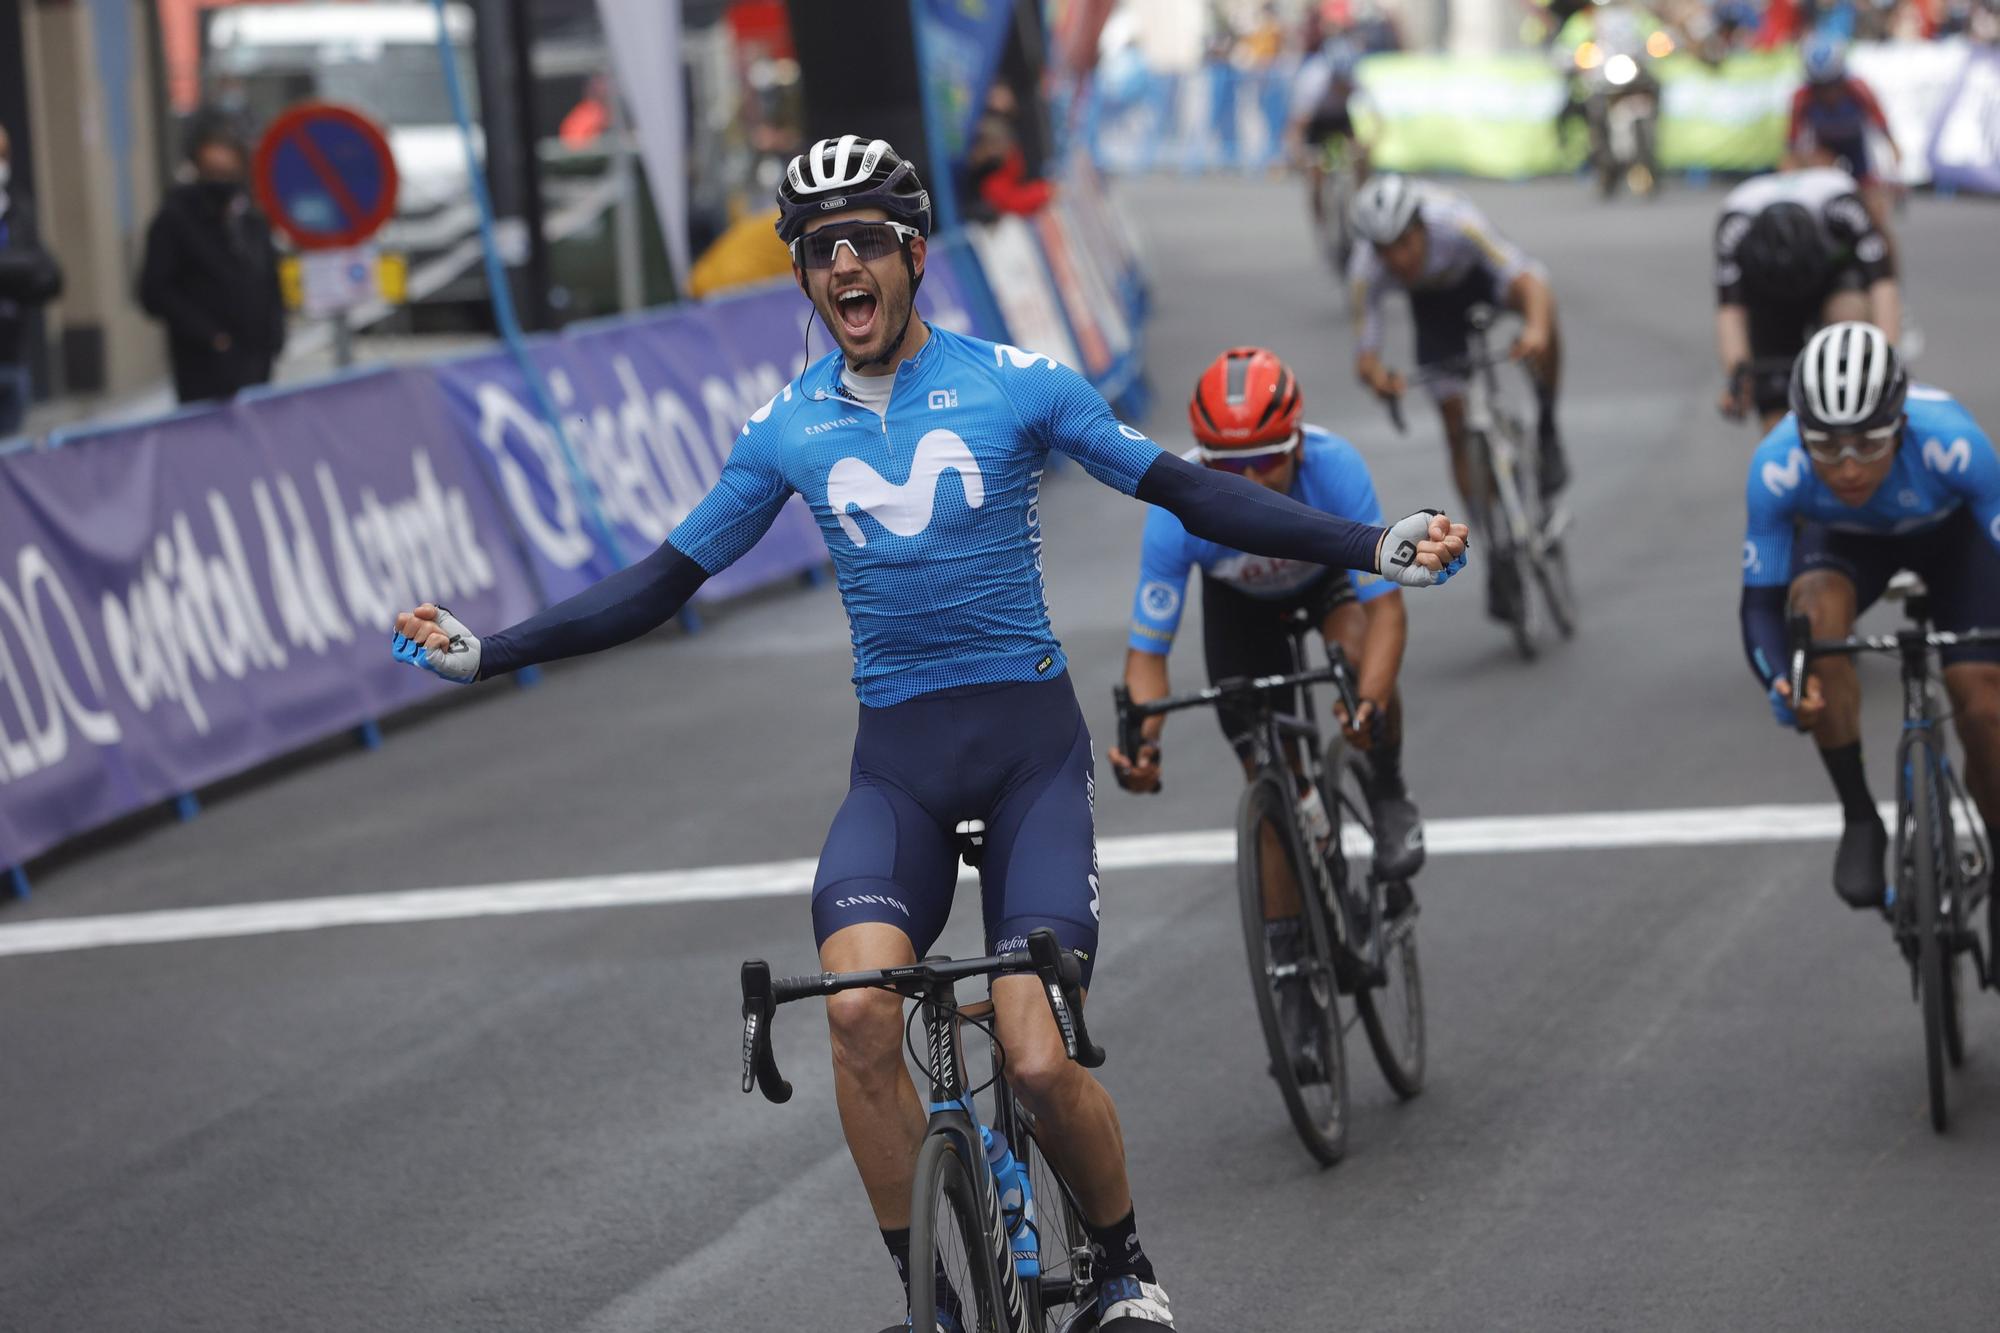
[(1848, 378), (1784, 254), (848, 172)]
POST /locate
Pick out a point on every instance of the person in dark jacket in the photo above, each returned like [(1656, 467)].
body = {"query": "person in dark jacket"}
[(29, 276), (211, 275)]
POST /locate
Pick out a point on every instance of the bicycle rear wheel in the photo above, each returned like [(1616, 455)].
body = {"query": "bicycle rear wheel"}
[(953, 1270), (1393, 1013), (1297, 1002), (1920, 769)]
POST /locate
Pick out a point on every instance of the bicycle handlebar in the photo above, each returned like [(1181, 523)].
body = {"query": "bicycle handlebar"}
[(1455, 368), (1798, 633), (1060, 973), (1131, 714)]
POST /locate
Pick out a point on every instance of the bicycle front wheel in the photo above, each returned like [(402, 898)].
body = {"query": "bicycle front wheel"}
[(1920, 769), (1297, 1001), (954, 1274)]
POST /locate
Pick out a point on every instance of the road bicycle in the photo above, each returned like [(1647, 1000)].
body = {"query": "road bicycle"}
[(987, 1255), (1942, 864), (1522, 532), (1357, 933)]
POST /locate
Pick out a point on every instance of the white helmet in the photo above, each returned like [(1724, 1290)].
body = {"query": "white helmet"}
[(1385, 207), (1848, 379)]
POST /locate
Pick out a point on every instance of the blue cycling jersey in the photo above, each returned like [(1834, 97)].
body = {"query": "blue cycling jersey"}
[(1945, 462), (1331, 477), (930, 510)]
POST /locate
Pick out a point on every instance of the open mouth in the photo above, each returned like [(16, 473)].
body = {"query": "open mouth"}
[(856, 307)]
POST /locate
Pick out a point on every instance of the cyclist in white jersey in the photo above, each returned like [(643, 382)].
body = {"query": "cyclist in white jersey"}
[(1435, 246)]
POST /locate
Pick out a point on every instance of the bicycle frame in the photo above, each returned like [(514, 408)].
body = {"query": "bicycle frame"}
[(1273, 736), (953, 1111), (1912, 644)]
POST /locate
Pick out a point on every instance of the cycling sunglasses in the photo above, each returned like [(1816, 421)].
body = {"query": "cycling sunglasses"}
[(1242, 461), (868, 241), (1868, 446)]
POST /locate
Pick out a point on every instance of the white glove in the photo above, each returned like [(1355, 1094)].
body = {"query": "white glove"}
[(457, 662), (1399, 553)]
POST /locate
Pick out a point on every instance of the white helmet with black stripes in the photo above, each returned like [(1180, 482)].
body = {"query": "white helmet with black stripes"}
[(850, 172), (1848, 379)]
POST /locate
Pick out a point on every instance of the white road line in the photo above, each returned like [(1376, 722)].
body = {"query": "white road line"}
[(1446, 837)]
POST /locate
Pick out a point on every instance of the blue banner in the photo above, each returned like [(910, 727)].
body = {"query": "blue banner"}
[(960, 44), (183, 600)]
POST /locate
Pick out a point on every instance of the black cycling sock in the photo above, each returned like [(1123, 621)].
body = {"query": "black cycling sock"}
[(1843, 765), (1385, 766), (1116, 1252), (898, 1242)]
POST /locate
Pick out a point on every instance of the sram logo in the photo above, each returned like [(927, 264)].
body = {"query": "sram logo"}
[(906, 509), (1780, 479)]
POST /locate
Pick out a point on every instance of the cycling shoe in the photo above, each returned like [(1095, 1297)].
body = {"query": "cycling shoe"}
[(1857, 867), (1127, 1305), (1399, 837)]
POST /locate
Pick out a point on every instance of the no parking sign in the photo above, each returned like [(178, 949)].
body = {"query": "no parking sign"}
[(325, 176)]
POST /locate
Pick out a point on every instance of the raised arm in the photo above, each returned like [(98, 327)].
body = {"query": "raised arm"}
[(632, 602), (1234, 511)]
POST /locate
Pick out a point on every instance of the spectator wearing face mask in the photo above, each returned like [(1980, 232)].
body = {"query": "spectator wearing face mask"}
[(211, 275), (29, 276)]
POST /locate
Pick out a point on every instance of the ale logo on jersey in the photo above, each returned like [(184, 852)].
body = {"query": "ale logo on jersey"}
[(904, 509)]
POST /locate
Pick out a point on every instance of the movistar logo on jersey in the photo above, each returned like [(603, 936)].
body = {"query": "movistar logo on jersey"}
[(1779, 479), (1956, 458), (906, 509)]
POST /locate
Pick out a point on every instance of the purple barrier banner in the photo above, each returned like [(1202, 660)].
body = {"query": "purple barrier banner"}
[(652, 406), (1965, 146), (184, 600)]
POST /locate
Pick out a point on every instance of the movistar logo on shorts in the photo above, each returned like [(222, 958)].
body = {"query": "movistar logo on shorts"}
[(906, 509)]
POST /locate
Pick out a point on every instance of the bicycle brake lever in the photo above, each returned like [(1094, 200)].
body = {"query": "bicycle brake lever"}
[(1798, 631), (1061, 979), (759, 1064)]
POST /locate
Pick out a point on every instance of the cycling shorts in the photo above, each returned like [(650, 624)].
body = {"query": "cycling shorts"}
[(1329, 123), (1015, 755), (1249, 636), (1954, 559), (1442, 326), (1779, 331)]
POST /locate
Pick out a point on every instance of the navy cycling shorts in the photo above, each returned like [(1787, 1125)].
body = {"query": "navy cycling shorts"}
[(1016, 756), (1956, 562)]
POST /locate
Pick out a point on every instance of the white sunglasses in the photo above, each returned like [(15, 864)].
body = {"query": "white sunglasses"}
[(1873, 445), (1234, 458)]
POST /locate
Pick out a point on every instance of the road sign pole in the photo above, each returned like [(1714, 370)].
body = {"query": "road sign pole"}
[(343, 341)]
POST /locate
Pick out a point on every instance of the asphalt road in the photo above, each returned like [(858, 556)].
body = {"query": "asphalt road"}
[(1670, 1087)]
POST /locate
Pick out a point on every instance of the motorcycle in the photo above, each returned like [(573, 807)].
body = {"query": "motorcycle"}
[(1621, 105)]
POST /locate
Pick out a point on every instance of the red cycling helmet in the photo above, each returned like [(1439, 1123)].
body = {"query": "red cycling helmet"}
[(1246, 403)]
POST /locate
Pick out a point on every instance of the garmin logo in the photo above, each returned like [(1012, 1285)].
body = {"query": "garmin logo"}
[(825, 426)]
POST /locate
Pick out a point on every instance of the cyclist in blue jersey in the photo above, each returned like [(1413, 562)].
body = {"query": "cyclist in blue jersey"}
[(920, 454), (1875, 475), (1247, 414)]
